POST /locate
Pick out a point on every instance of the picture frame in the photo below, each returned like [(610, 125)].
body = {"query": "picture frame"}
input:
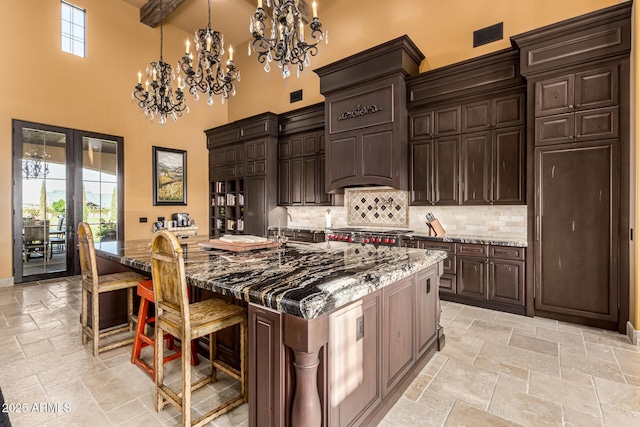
[(169, 177)]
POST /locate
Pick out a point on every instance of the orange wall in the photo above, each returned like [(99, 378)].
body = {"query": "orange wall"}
[(441, 32), (43, 84), (40, 83)]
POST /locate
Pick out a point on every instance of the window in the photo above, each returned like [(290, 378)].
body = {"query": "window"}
[(73, 29)]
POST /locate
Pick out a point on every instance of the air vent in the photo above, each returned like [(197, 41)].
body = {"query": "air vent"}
[(295, 96), (487, 35)]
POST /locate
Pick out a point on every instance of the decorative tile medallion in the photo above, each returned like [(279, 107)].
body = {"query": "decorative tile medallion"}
[(376, 207)]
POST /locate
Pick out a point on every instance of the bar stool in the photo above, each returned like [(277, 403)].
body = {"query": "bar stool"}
[(141, 340), (187, 321), (95, 284)]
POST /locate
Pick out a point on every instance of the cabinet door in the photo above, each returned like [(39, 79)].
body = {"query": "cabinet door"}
[(472, 277), (266, 367), (601, 123), (555, 129), (296, 146), (323, 197), (398, 331), (255, 150), (597, 88), (508, 111), (476, 168), (576, 245), (476, 116), (363, 398), (426, 314), (446, 121), (421, 125), (554, 96), (508, 166), (445, 170), (309, 172), (421, 170), (255, 218), (284, 178), (310, 145), (506, 281), (295, 183)]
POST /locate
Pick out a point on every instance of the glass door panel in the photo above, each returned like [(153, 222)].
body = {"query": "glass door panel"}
[(100, 187), (42, 223)]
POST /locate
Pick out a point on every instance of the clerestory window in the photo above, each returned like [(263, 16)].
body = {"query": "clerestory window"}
[(73, 29)]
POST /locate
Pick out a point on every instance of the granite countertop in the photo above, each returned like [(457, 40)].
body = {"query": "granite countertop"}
[(305, 280), (310, 230), (466, 238)]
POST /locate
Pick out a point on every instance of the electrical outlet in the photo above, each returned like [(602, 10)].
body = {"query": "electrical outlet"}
[(143, 219), (359, 328)]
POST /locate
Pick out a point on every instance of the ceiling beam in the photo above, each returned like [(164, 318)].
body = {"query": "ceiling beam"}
[(150, 12)]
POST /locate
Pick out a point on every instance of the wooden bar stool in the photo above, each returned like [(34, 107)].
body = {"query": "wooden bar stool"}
[(187, 321), (95, 285), (141, 340)]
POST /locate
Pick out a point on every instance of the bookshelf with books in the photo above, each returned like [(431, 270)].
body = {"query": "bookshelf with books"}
[(227, 207)]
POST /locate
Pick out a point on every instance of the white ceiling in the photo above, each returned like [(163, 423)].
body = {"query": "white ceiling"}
[(230, 17)]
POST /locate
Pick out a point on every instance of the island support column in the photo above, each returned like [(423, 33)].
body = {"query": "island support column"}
[(306, 338)]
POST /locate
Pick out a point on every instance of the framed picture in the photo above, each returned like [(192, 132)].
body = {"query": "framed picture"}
[(169, 176)]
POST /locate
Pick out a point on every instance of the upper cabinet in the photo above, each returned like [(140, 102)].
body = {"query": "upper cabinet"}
[(467, 133), (365, 113), (577, 107), (301, 158), (243, 175)]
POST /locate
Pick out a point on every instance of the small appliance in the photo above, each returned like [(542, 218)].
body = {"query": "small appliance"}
[(181, 219)]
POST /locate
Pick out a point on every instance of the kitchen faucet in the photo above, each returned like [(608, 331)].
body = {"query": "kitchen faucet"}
[(280, 225)]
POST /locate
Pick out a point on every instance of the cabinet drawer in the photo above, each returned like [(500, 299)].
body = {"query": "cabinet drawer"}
[(304, 236), (448, 283), (597, 124), (473, 250), (506, 252), (449, 248)]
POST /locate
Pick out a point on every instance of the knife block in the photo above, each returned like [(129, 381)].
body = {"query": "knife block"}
[(436, 229)]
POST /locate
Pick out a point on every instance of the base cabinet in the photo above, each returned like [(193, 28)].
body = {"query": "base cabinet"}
[(490, 276), (368, 352)]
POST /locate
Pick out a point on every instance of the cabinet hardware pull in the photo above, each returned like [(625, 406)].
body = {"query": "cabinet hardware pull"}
[(570, 105)]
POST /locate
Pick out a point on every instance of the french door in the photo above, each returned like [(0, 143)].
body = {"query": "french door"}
[(62, 176)]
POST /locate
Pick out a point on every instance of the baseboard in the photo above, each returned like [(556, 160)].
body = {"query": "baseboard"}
[(6, 281), (633, 335)]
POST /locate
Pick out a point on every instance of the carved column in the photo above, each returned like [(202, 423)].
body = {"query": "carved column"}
[(306, 338)]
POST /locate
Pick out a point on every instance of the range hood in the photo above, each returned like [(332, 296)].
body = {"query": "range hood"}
[(366, 116)]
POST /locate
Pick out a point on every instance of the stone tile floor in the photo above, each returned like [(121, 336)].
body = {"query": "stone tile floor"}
[(496, 369)]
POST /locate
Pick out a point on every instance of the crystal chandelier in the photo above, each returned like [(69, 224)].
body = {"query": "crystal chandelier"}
[(157, 100), (286, 44), (33, 166), (208, 75)]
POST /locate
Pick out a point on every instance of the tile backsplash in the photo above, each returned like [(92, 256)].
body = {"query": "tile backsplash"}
[(377, 208), (506, 221)]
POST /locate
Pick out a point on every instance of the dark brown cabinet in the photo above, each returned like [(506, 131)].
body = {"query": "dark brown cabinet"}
[(301, 170), (577, 107), (491, 273), (577, 215), (480, 167), (490, 276), (243, 175), (578, 96)]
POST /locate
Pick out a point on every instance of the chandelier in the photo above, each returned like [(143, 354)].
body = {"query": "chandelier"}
[(286, 42), (33, 167), (208, 76), (157, 100)]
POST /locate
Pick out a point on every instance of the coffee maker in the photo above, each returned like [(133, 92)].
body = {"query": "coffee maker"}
[(181, 219)]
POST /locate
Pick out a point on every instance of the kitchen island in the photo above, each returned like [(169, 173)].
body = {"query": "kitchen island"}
[(336, 331)]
